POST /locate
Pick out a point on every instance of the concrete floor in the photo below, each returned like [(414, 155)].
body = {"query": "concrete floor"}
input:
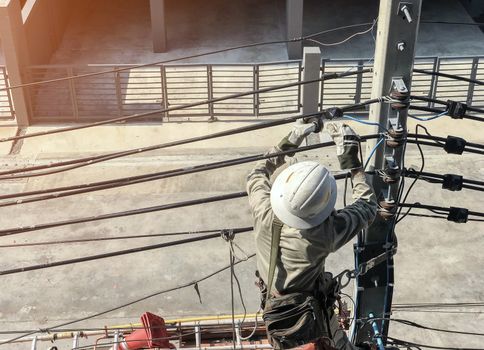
[(437, 260), (114, 31)]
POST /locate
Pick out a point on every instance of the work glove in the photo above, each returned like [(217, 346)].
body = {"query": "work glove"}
[(298, 133), (347, 145)]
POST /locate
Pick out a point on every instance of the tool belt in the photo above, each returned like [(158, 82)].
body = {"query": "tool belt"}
[(299, 318)]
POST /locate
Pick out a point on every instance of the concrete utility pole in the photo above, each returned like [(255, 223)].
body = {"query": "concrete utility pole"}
[(394, 55)]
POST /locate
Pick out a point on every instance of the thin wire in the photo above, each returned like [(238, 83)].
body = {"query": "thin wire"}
[(429, 118), (373, 152), (344, 40), (79, 76), (365, 122), (422, 167), (188, 284)]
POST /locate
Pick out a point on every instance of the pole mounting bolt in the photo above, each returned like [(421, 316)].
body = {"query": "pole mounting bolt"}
[(405, 9), (401, 46)]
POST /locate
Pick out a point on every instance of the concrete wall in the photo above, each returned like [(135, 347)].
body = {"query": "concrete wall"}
[(45, 22)]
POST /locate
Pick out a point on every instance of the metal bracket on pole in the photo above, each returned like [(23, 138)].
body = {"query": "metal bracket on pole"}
[(392, 75)]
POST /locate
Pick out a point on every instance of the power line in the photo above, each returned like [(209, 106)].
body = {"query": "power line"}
[(450, 76), (185, 285), (446, 103), (120, 252), (58, 192), (435, 207), (109, 156), (111, 238), (109, 71), (21, 229), (65, 191), (396, 341), (438, 110), (325, 77)]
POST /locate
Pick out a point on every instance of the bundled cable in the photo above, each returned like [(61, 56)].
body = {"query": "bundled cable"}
[(81, 162)]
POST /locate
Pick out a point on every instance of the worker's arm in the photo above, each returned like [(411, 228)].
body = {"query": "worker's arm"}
[(356, 216), (258, 180)]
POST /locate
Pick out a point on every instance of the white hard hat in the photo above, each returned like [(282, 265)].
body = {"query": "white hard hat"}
[(303, 195)]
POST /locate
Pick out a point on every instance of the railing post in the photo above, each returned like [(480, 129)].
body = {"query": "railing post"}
[(359, 82), (311, 62), (72, 91), (210, 91), (470, 91), (255, 96), (435, 80), (164, 92), (321, 94), (119, 98), (310, 92)]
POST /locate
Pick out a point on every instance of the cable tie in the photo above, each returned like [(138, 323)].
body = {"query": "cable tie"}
[(455, 145), (458, 215), (452, 182), (456, 110)]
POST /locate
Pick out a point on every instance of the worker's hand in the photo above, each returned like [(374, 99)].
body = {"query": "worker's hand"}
[(298, 133), (347, 145)]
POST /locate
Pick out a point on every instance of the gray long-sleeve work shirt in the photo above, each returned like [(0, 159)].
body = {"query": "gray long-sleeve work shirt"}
[(303, 253)]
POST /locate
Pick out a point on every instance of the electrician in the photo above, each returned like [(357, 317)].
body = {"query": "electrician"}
[(296, 227)]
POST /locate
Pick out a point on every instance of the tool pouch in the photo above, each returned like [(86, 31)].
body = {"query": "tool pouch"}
[(293, 319)]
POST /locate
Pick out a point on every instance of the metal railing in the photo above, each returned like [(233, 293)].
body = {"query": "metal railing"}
[(353, 89), (161, 87), (158, 87), (6, 105)]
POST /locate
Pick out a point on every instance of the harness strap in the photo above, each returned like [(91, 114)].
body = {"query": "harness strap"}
[(275, 239)]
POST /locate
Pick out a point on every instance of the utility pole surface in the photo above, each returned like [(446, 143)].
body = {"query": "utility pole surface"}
[(394, 56)]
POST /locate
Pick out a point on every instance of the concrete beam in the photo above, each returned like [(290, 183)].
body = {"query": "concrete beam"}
[(158, 25), (16, 55), (294, 27)]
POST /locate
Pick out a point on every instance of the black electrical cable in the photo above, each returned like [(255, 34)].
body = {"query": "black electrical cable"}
[(185, 285), (119, 252), (454, 23), (65, 191), (328, 76), (439, 217), (434, 207), (438, 305), (438, 178), (438, 110), (108, 156), (58, 192), (446, 75), (422, 166), (156, 208), (434, 144), (100, 239), (407, 344), (432, 100)]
